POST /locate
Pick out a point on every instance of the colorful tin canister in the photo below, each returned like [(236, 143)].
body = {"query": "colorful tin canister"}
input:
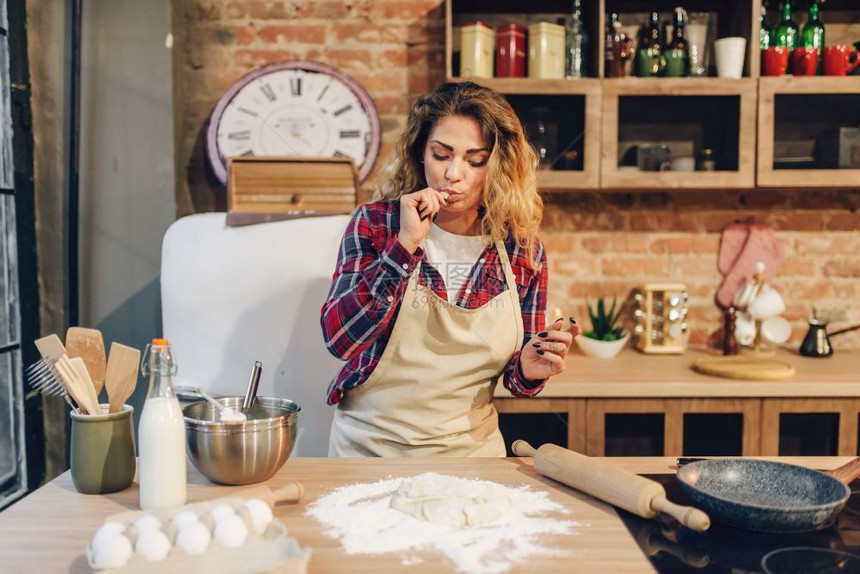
[(477, 44), (546, 51), (511, 51)]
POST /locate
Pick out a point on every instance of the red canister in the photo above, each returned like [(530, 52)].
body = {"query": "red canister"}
[(510, 51)]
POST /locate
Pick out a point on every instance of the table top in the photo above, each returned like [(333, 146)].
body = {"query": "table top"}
[(48, 530), (634, 374)]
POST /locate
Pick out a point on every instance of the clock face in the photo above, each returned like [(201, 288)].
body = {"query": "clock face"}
[(294, 108)]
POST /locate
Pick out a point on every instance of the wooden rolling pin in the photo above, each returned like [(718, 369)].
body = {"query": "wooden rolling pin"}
[(290, 492), (619, 487)]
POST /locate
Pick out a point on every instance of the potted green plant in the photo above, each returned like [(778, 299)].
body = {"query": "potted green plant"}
[(605, 339)]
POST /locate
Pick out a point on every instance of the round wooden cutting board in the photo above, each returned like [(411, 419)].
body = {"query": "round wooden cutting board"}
[(740, 367)]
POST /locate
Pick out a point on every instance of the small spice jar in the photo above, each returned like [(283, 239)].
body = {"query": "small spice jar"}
[(707, 161), (477, 44), (511, 51), (546, 51)]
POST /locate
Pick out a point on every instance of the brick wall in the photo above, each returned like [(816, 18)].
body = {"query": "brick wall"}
[(598, 244)]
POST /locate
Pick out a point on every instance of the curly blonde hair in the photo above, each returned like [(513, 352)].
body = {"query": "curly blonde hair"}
[(510, 204)]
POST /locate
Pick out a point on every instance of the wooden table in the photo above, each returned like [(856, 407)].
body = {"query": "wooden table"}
[(637, 383), (48, 530)]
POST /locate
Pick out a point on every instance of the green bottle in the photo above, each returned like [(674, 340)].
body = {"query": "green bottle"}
[(765, 32), (786, 32), (813, 31)]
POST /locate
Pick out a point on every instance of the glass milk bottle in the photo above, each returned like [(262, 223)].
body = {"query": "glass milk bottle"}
[(161, 433)]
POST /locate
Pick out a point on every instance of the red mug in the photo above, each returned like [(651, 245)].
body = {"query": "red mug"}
[(838, 60), (804, 61), (774, 61)]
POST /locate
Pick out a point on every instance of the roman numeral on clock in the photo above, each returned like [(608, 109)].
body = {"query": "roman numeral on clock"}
[(243, 135), (247, 153), (247, 111), (296, 86), (268, 92), (349, 134), (339, 153), (343, 110)]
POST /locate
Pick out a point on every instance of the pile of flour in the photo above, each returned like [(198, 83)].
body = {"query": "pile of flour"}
[(481, 526)]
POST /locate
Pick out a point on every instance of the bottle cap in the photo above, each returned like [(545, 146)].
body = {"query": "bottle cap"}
[(160, 342)]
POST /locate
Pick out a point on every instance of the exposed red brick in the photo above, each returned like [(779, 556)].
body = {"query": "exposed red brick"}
[(562, 243), (203, 10), (796, 266), (292, 33), (844, 222), (251, 59), (405, 9), (233, 35), (616, 243), (842, 268), (235, 10), (369, 33), (582, 289), (641, 268), (392, 57), (325, 9), (695, 266), (672, 245)]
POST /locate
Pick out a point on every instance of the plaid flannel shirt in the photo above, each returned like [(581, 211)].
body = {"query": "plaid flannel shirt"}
[(369, 284)]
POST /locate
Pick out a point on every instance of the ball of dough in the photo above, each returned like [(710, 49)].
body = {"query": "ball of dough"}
[(221, 511), (152, 544), (106, 530), (113, 551), (193, 538), (231, 531), (147, 522), (257, 514), (184, 518)]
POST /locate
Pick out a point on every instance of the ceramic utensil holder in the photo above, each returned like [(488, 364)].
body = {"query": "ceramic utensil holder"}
[(102, 451), (661, 312)]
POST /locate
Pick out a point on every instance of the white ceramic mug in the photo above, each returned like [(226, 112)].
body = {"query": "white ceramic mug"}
[(767, 303), (775, 330), (744, 331), (730, 56), (684, 164)]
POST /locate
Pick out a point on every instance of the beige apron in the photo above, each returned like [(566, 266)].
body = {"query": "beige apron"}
[(431, 393)]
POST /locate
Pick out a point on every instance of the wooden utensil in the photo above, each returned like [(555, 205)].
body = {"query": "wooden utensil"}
[(744, 367), (624, 489), (89, 345), (121, 374), (76, 386)]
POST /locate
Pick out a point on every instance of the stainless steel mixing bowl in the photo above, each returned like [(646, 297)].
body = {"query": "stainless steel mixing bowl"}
[(241, 452)]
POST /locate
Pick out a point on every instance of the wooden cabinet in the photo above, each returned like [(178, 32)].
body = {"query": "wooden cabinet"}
[(761, 130)]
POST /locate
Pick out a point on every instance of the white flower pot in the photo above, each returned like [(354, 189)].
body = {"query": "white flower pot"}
[(601, 349)]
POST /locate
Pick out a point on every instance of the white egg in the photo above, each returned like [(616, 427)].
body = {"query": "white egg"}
[(231, 531), (152, 544), (193, 538), (106, 530), (147, 522), (113, 551), (221, 511), (259, 514), (183, 518)]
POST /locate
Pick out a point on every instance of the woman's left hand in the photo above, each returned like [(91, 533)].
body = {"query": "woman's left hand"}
[(544, 355)]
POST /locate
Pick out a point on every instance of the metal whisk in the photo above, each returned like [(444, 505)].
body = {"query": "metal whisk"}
[(42, 376)]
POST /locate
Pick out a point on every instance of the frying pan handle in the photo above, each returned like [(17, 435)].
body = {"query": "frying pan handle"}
[(692, 518)]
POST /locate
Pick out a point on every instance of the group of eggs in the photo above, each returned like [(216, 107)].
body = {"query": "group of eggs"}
[(114, 543)]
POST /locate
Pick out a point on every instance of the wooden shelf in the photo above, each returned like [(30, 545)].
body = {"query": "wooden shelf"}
[(745, 91), (769, 90)]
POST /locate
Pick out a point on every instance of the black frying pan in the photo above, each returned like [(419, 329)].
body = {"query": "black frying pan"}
[(763, 495)]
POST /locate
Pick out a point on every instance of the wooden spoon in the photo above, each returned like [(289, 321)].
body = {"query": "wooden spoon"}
[(121, 374), (89, 345)]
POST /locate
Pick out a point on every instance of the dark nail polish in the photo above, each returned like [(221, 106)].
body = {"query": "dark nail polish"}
[(535, 344), (423, 217), (543, 334), (435, 216), (572, 320), (540, 352)]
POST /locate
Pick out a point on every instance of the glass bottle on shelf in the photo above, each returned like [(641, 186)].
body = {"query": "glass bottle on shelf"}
[(813, 31), (678, 54), (543, 134), (576, 38), (618, 48), (765, 33), (786, 32), (649, 52), (161, 433)]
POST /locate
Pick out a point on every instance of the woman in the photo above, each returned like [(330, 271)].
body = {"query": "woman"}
[(439, 283)]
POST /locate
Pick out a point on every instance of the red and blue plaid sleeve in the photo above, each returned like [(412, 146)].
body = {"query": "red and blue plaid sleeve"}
[(369, 281), (533, 307)]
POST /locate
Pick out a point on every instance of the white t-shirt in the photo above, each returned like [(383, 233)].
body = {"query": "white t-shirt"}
[(453, 256)]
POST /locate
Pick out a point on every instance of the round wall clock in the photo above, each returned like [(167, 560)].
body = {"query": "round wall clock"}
[(294, 108)]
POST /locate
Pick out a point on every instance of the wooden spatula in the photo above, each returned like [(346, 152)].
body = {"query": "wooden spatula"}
[(121, 375), (89, 345), (79, 388)]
